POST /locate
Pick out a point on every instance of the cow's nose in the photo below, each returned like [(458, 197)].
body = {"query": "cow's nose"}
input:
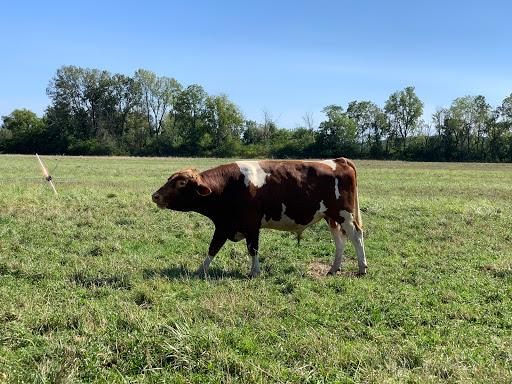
[(156, 197)]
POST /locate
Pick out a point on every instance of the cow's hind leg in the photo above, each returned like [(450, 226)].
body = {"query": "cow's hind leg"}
[(252, 247), (340, 240), (355, 235)]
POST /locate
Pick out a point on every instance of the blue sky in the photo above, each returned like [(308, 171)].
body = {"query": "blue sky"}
[(287, 57)]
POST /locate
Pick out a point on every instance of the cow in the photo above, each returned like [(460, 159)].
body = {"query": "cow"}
[(245, 196)]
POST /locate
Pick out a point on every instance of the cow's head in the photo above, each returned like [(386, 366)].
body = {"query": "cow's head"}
[(181, 191)]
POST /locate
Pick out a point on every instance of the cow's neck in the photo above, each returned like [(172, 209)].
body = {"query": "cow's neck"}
[(211, 206)]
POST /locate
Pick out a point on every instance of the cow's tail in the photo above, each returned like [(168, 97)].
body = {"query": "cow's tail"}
[(357, 211)]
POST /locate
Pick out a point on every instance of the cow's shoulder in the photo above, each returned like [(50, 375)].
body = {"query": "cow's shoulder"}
[(219, 177)]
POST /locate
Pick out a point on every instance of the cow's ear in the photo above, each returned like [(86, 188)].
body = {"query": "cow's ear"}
[(203, 190)]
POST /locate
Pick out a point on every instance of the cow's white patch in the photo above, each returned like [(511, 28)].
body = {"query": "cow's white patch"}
[(330, 163), (337, 189), (347, 216), (252, 173), (285, 223)]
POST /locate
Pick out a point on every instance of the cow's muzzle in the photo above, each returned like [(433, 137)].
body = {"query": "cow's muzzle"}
[(158, 200)]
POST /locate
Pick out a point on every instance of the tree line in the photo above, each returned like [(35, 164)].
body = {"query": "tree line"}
[(93, 112)]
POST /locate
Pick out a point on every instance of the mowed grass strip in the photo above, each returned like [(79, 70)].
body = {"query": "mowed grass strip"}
[(96, 284)]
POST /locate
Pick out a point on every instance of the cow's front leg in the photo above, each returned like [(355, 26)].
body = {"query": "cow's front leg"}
[(252, 247), (219, 238)]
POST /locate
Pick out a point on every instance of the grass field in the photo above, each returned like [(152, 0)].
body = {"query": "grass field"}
[(96, 284)]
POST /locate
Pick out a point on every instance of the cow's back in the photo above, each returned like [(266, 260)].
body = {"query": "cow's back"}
[(292, 195)]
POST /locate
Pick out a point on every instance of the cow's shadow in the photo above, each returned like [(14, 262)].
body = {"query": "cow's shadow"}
[(181, 272)]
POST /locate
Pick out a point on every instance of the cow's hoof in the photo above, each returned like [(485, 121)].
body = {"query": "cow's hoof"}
[(253, 275)]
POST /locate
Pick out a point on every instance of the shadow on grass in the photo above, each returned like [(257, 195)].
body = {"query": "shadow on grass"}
[(18, 273), (89, 279), (181, 272)]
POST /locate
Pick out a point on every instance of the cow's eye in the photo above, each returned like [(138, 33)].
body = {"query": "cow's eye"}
[(181, 183)]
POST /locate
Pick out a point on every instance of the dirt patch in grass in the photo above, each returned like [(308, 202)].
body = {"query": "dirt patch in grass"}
[(319, 270)]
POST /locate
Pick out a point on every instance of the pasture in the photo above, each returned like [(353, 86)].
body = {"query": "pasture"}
[(96, 285)]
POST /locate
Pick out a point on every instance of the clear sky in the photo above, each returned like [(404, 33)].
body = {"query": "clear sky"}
[(288, 57)]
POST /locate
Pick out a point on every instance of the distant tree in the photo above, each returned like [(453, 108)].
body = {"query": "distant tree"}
[(127, 97), (279, 145), (90, 110), (404, 109), (482, 119), (309, 121), (497, 129), (96, 96), (159, 97), (380, 132), (94, 112), (302, 142), (5, 137), (252, 133), (337, 135), (438, 119), (269, 126), (224, 120), (190, 118), (451, 139), (367, 117), (23, 132), (137, 138), (461, 114), (68, 111), (445, 135), (470, 115), (506, 110)]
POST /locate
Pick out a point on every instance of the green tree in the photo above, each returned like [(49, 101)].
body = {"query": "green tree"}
[(451, 139), (471, 114), (498, 129), (447, 133), (269, 125), (190, 118), (368, 118), (224, 121), (160, 95), (337, 135), (303, 142), (68, 110), (462, 122), (127, 98), (23, 132), (89, 109), (404, 109), (482, 119), (279, 144), (96, 94), (251, 133)]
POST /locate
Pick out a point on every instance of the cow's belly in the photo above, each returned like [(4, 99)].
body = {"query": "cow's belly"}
[(286, 223)]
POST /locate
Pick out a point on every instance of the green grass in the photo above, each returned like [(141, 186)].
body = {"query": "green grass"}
[(96, 284)]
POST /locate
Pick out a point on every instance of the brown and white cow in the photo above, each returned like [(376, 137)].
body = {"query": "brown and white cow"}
[(243, 197)]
